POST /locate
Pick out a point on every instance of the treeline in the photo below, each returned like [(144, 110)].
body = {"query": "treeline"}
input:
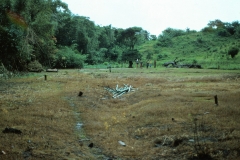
[(47, 33)]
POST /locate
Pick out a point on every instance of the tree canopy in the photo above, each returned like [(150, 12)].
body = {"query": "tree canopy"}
[(43, 29)]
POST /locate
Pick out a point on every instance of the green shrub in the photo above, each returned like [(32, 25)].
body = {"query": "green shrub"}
[(237, 32), (67, 57), (223, 33), (164, 41), (2, 69), (34, 66), (105, 63), (207, 29), (233, 52), (159, 56)]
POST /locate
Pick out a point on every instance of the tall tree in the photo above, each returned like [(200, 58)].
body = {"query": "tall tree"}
[(12, 29), (131, 56), (129, 37), (31, 25)]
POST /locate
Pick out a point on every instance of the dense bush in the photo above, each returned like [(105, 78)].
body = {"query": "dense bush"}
[(207, 30), (233, 52), (237, 32), (131, 55), (164, 41), (173, 32), (9, 40), (161, 56), (34, 66), (223, 33), (68, 57)]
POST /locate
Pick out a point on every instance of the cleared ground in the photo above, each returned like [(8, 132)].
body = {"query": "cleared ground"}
[(170, 115)]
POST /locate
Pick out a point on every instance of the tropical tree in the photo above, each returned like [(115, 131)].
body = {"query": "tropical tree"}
[(30, 26), (216, 24), (12, 29), (128, 39), (131, 36), (130, 56)]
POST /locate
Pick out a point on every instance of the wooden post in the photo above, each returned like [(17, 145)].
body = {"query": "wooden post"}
[(110, 67), (155, 63), (45, 77), (216, 100), (80, 94)]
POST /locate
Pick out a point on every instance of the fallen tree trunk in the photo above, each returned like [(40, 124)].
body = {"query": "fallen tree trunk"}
[(189, 66), (177, 65), (52, 70), (174, 63)]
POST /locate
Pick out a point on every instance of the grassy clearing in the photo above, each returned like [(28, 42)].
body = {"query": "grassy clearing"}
[(171, 115)]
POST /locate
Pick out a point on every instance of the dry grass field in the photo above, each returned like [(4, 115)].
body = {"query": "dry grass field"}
[(170, 115)]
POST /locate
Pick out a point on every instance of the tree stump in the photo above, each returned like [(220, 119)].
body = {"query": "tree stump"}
[(52, 70), (80, 93), (216, 100)]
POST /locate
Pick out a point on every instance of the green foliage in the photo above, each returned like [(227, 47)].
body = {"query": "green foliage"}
[(9, 50), (95, 57), (170, 32), (131, 37), (208, 49), (237, 32), (35, 66), (106, 37), (200, 40), (194, 61), (233, 52), (216, 24), (153, 37), (223, 32), (49, 25), (131, 55), (207, 30), (2, 69), (149, 55), (164, 41), (67, 57), (46, 31), (160, 56), (19, 6), (29, 23)]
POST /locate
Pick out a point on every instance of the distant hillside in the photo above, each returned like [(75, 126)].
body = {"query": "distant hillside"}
[(209, 49)]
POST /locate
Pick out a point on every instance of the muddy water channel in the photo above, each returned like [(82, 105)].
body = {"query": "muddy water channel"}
[(79, 131)]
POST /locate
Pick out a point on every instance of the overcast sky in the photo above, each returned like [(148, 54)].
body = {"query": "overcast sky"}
[(156, 15)]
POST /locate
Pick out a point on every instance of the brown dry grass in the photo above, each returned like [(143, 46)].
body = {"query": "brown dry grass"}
[(47, 113)]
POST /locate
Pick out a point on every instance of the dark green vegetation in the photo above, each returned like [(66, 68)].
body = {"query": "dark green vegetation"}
[(47, 32)]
